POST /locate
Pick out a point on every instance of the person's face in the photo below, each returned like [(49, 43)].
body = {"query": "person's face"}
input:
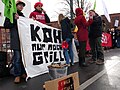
[(39, 7), (20, 7), (91, 13)]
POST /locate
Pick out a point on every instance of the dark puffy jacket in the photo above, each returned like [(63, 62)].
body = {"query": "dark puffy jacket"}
[(66, 28), (96, 27), (14, 36), (82, 24)]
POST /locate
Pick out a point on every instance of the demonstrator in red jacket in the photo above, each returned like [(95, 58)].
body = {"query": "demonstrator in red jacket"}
[(82, 34)]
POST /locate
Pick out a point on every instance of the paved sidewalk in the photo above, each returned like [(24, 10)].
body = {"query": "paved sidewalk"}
[(104, 75)]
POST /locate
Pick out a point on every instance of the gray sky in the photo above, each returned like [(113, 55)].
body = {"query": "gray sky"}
[(51, 6), (113, 6)]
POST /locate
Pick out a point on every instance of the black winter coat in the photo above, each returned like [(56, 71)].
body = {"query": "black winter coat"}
[(66, 29), (14, 36), (95, 29)]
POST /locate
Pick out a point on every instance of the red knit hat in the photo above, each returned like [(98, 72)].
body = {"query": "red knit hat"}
[(38, 3)]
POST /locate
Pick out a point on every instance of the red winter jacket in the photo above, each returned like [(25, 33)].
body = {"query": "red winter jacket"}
[(82, 24)]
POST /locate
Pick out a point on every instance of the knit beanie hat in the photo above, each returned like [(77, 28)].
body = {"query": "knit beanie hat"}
[(38, 3), (20, 2)]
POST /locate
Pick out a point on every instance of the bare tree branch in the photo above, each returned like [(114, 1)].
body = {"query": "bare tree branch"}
[(66, 6)]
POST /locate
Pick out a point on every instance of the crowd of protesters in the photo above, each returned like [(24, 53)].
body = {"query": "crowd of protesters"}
[(87, 30)]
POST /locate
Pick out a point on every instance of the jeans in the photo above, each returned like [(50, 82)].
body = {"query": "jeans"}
[(96, 48), (68, 53), (17, 63)]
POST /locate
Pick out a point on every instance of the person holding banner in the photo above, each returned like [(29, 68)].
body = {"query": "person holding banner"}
[(39, 14), (82, 34), (15, 42), (95, 35), (67, 37)]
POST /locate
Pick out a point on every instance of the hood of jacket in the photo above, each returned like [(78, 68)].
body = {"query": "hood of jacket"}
[(78, 11)]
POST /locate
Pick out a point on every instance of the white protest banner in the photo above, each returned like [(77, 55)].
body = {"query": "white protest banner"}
[(75, 53), (40, 46)]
